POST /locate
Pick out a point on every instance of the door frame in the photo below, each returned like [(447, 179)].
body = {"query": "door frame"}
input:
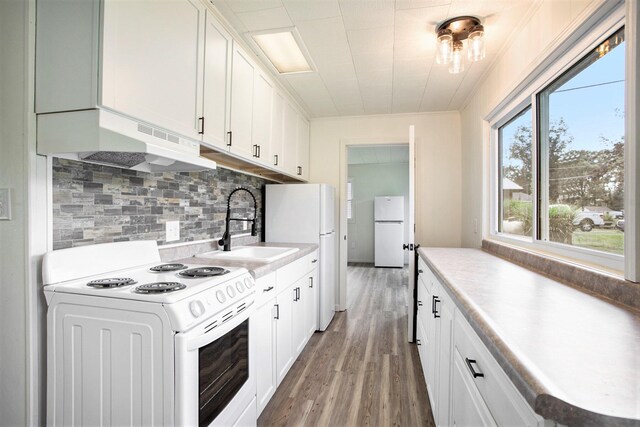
[(345, 143)]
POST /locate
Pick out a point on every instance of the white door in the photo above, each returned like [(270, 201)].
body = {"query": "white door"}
[(412, 222)]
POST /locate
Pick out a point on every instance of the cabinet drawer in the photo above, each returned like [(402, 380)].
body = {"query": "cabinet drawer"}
[(504, 401), (265, 288), (293, 271)]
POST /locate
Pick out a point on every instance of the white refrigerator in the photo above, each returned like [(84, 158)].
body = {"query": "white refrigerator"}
[(305, 213), (388, 217)]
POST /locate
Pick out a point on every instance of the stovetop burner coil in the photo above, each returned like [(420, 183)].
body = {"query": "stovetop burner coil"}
[(159, 287), (168, 267), (112, 282), (203, 272)]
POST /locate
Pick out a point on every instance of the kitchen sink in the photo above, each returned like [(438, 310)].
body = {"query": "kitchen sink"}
[(252, 253)]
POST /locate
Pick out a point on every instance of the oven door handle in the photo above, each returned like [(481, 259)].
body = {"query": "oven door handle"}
[(196, 338)]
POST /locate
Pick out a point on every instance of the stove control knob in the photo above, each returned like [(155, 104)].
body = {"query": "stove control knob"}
[(221, 297), (248, 283), (231, 292), (239, 286), (197, 308)]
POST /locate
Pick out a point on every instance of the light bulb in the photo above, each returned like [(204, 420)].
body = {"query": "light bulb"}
[(475, 45), (444, 47), (457, 59)]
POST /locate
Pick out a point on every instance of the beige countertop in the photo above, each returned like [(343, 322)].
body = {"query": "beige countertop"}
[(574, 357), (257, 269)]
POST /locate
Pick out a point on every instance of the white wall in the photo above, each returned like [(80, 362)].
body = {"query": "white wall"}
[(529, 45), (437, 163), (371, 180), (13, 175)]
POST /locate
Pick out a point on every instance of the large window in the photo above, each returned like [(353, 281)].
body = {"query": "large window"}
[(582, 135), (516, 178), (560, 163)]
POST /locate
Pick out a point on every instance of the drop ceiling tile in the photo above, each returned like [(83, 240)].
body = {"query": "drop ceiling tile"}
[(372, 64), (312, 10), (371, 40), (440, 89), (322, 32), (367, 14), (239, 6), (265, 19), (418, 4)]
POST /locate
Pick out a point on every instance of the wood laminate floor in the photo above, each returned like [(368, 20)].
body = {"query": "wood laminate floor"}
[(361, 370)]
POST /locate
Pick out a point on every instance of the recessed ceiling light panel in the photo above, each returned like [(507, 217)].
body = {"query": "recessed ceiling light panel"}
[(284, 50)]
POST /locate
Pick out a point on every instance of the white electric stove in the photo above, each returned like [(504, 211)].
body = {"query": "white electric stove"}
[(133, 341)]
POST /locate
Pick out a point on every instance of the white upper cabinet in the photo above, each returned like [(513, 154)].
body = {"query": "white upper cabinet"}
[(302, 149), (277, 136), (171, 65), (217, 72), (152, 54), (290, 143), (262, 108), (140, 58), (242, 71)]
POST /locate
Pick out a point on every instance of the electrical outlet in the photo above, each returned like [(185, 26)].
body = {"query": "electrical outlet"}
[(173, 231), (353, 245), (475, 226), (245, 225)]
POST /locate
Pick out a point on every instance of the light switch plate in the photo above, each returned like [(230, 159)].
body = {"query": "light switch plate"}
[(5, 204), (173, 231)]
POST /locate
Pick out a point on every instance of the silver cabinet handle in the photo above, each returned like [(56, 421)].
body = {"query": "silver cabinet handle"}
[(314, 261), (267, 289), (311, 282), (277, 306)]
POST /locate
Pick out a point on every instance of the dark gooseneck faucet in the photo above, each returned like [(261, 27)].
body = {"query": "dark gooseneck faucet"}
[(226, 237)]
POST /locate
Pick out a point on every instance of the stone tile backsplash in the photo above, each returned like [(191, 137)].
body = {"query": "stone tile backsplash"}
[(99, 204)]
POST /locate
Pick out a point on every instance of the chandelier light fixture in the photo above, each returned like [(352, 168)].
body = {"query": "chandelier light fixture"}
[(453, 35)]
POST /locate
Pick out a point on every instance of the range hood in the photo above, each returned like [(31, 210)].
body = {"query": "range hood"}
[(104, 137)]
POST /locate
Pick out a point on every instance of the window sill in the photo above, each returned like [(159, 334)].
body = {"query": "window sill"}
[(606, 284)]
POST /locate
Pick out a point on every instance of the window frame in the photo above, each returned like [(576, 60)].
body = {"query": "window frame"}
[(567, 54)]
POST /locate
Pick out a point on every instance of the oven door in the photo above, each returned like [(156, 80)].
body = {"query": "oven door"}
[(215, 384)]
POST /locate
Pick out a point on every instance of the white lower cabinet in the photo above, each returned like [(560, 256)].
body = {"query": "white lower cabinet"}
[(466, 386), (470, 409), (284, 321), (284, 332)]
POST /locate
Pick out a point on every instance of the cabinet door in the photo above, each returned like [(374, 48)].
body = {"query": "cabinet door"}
[(242, 71), (312, 302), (467, 406), (277, 135), (261, 135), (217, 79), (284, 333), (299, 316), (152, 62), (431, 333), (445, 332), (290, 135), (265, 339), (302, 149)]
